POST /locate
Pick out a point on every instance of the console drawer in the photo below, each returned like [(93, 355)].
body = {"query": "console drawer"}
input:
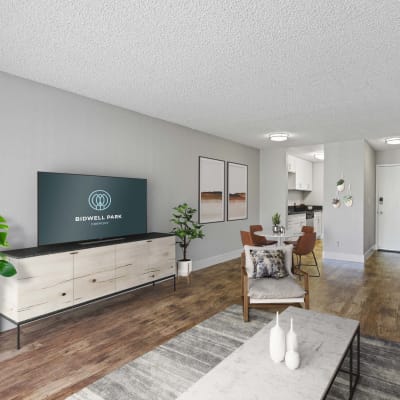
[(95, 285)]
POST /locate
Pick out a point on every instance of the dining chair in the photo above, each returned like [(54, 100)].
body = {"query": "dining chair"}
[(246, 238), (260, 240), (305, 245)]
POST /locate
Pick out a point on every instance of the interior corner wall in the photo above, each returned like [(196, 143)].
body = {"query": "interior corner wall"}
[(273, 185), (46, 129), (369, 199), (344, 226)]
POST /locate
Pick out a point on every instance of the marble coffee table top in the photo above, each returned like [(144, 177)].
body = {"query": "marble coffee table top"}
[(249, 373)]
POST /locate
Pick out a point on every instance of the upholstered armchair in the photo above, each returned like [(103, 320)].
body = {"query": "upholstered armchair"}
[(270, 290)]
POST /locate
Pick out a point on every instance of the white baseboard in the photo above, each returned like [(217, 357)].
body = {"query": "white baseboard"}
[(207, 262), (369, 252), (330, 255)]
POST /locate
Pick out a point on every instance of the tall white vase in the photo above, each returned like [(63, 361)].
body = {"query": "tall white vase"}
[(277, 347), (292, 357), (291, 339)]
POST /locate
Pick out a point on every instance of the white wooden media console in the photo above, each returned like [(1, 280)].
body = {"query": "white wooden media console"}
[(52, 279)]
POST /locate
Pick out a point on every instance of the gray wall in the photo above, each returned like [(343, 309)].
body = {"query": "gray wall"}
[(344, 226), (388, 157), (369, 198), (273, 185), (46, 129)]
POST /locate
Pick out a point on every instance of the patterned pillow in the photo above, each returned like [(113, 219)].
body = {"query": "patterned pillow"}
[(268, 264)]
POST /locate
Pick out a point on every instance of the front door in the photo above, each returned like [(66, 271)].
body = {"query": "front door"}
[(388, 207)]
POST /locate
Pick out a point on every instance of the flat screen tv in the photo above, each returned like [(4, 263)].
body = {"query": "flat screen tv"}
[(79, 208)]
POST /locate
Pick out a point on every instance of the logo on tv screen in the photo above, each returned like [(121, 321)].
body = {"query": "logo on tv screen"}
[(99, 200)]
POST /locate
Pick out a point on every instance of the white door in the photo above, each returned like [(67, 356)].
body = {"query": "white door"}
[(388, 206)]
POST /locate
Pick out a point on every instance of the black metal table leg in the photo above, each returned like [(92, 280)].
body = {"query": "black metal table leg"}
[(174, 283)]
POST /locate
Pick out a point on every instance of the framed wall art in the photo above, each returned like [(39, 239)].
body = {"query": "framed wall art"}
[(211, 190), (237, 191)]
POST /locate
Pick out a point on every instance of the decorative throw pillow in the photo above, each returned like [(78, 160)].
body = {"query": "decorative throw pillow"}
[(268, 264), (287, 251)]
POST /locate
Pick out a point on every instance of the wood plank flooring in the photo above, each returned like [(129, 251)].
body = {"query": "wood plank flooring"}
[(64, 353)]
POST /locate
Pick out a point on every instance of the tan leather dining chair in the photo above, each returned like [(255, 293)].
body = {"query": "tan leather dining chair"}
[(305, 245), (260, 240)]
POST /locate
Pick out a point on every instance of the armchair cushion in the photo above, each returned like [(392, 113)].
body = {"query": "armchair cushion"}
[(287, 250), (268, 263), (286, 288)]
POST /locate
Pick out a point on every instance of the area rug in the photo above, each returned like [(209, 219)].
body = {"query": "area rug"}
[(170, 369)]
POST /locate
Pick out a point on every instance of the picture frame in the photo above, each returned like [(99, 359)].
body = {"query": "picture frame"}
[(237, 197), (211, 190)]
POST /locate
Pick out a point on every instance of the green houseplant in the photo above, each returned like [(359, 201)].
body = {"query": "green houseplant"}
[(276, 220), (185, 230), (6, 268)]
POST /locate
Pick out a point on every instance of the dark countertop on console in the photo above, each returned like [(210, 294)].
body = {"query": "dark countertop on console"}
[(60, 248), (302, 209)]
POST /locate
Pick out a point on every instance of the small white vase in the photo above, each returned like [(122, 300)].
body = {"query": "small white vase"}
[(277, 342), (292, 359), (291, 339)]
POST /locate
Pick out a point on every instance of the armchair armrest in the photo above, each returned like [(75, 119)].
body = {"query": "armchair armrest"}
[(300, 273)]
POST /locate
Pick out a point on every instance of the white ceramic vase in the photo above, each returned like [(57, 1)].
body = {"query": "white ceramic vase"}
[(291, 339), (292, 359), (277, 345)]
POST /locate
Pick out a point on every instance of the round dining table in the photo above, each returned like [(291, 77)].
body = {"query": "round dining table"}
[(280, 237)]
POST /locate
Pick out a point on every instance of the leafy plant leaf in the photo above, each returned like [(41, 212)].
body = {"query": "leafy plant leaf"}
[(7, 269)]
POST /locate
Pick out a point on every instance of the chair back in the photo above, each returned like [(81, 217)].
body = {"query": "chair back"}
[(246, 238), (305, 244), (307, 229), (256, 239)]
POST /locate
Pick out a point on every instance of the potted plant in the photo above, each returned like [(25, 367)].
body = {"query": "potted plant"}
[(276, 220), (340, 185), (6, 268), (336, 202), (185, 230)]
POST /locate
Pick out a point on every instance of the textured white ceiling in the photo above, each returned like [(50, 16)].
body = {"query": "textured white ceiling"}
[(324, 70)]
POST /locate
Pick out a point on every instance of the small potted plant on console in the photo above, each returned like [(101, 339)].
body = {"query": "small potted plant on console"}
[(185, 230), (6, 268)]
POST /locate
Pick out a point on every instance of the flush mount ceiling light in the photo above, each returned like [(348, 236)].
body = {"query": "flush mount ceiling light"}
[(319, 156), (278, 136), (392, 140)]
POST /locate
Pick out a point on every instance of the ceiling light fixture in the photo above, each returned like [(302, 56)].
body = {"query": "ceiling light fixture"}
[(319, 156), (278, 136), (392, 140)]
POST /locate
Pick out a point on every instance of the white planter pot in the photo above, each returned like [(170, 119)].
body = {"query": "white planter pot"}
[(184, 268), (340, 188)]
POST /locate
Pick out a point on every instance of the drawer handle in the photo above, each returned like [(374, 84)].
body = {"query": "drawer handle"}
[(94, 280), (148, 241), (63, 294)]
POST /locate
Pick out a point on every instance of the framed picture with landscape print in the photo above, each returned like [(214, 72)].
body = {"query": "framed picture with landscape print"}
[(211, 190), (237, 191)]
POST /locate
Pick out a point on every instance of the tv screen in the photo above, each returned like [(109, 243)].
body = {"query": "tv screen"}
[(77, 208)]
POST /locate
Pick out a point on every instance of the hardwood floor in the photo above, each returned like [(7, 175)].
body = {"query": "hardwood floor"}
[(64, 353)]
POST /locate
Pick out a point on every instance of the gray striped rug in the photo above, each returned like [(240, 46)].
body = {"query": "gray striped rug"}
[(170, 369)]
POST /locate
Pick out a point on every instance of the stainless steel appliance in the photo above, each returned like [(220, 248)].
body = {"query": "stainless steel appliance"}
[(310, 218)]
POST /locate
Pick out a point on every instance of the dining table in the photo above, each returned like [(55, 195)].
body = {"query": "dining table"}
[(280, 237)]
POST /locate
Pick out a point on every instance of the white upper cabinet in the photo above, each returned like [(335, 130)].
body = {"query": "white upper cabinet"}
[(301, 179), (291, 163)]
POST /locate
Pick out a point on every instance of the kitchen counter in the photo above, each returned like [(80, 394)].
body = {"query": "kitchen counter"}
[(302, 209)]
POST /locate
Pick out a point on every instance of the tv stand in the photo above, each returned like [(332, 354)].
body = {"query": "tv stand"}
[(54, 279), (100, 241)]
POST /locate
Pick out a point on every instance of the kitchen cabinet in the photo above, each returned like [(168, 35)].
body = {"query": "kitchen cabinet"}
[(291, 163), (300, 174), (295, 222), (318, 227)]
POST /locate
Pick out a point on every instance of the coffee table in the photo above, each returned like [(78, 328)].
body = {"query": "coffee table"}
[(249, 373)]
